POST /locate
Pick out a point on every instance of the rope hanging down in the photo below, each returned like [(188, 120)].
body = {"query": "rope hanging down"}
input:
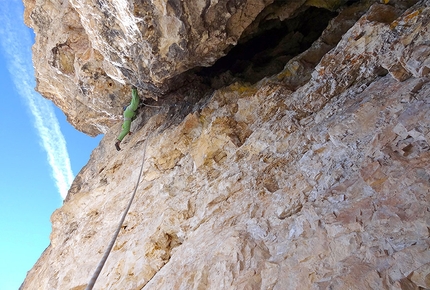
[(112, 242)]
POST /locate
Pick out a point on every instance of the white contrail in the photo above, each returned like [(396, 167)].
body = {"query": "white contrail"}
[(16, 42)]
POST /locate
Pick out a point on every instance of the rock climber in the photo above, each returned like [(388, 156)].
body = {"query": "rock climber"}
[(129, 115)]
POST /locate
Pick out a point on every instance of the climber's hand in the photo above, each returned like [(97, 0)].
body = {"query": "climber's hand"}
[(117, 145)]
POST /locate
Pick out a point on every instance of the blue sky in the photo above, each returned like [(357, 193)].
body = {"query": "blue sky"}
[(40, 153)]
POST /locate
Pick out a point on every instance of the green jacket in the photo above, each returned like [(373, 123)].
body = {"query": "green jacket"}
[(129, 114)]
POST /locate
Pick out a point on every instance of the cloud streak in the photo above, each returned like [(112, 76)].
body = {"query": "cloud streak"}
[(16, 41)]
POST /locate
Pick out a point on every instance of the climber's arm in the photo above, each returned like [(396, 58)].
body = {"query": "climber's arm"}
[(134, 100)]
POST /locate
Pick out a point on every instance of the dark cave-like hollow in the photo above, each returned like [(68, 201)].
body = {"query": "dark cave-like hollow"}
[(263, 53), (267, 53)]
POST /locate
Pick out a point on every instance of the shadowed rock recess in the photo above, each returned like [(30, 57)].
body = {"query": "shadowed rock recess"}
[(287, 143)]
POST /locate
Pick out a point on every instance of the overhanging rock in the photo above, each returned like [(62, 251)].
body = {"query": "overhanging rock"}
[(88, 53)]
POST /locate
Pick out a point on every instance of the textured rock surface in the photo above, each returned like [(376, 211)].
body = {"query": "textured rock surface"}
[(314, 178)]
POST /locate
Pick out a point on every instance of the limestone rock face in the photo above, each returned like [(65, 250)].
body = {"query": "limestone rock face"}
[(316, 177)]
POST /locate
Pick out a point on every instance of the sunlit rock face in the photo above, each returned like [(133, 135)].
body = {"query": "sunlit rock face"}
[(302, 163)]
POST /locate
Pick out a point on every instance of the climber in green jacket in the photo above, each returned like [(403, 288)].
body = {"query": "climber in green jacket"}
[(129, 115)]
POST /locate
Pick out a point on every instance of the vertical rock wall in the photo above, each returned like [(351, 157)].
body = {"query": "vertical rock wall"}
[(323, 184)]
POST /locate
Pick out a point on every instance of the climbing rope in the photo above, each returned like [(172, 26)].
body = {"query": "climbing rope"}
[(112, 242), (151, 106)]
